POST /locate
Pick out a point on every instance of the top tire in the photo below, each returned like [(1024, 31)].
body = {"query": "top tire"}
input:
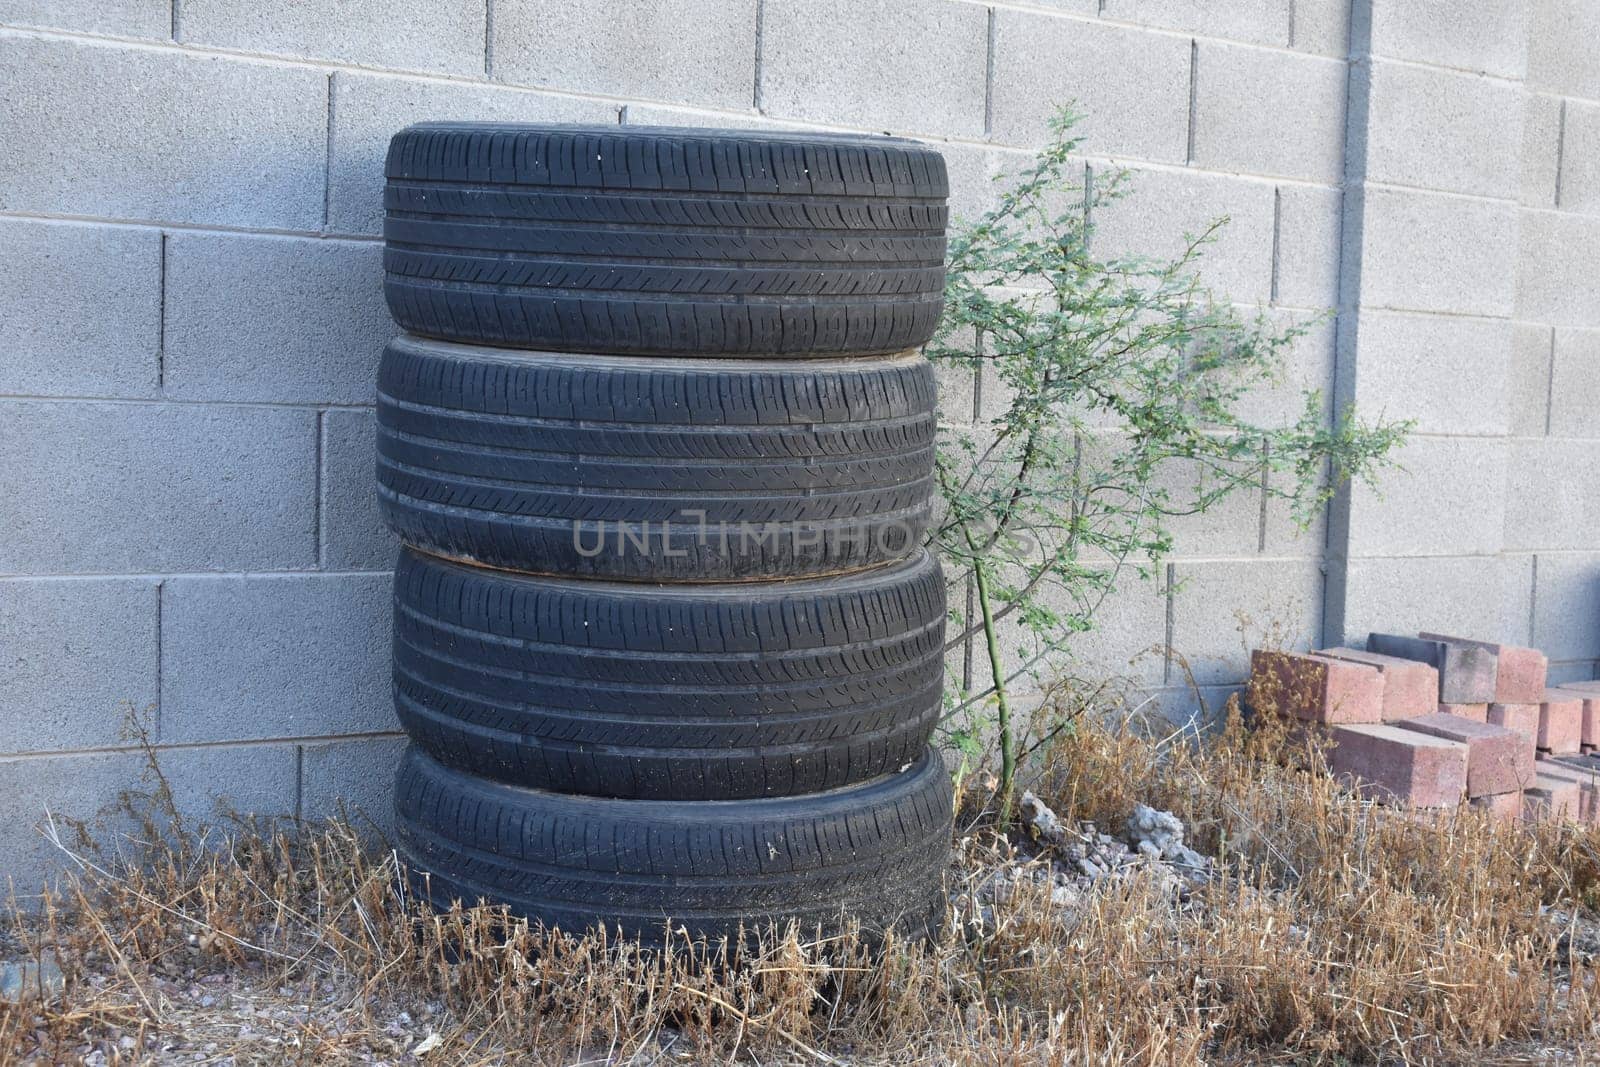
[(664, 241)]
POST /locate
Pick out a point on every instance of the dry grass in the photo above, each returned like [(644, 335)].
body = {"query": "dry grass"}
[(1335, 932)]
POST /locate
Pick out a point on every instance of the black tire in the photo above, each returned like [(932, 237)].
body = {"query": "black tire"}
[(669, 692), (654, 469), (664, 241), (874, 852)]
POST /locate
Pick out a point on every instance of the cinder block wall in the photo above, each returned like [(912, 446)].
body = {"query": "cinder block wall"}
[(190, 319)]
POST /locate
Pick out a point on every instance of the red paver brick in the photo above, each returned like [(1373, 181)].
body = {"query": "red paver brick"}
[(1500, 807), (1560, 723), (1475, 712), (1498, 760), (1519, 673), (1591, 710), (1410, 687), (1551, 797), (1466, 672), (1402, 766), (1314, 688), (1523, 718), (1588, 784)]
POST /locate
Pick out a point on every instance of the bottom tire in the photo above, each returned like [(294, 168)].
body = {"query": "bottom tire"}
[(874, 852)]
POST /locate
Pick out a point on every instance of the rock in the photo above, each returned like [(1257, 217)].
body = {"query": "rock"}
[(23, 981), (1041, 820), (1065, 896), (1160, 834), (1159, 828)]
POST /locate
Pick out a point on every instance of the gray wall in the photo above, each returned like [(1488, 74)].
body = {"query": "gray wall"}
[(190, 319)]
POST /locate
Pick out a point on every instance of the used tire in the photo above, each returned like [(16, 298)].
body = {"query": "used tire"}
[(874, 852), (654, 469), (669, 692), (664, 241)]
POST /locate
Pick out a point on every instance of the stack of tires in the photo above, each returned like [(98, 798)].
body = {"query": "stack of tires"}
[(660, 449)]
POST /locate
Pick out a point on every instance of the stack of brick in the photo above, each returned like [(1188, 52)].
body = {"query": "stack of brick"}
[(1434, 721)]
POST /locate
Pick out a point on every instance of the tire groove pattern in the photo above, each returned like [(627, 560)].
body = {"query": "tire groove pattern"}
[(675, 692), (655, 469), (875, 850), (712, 243)]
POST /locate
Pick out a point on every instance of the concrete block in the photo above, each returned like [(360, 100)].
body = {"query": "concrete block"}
[(1560, 723), (1588, 700), (1445, 130), (1519, 671), (1498, 760), (1257, 21), (80, 309), (1541, 139), (973, 172), (1410, 687), (1574, 385), (1551, 500), (956, 397), (1309, 231), (1222, 609), (207, 784), (1466, 672), (124, 18), (1198, 711), (279, 655), (1416, 592), (1483, 36), (354, 537), (1523, 719), (1285, 537), (687, 51), (1446, 372), (1437, 253), (1472, 712), (75, 655), (1300, 135), (1322, 27), (1580, 158), (1565, 673), (1307, 367), (369, 109), (1400, 766), (199, 139), (1566, 617), (437, 35), (1447, 497), (1164, 208), (652, 114), (1564, 47), (1558, 268), (895, 65), (1229, 526), (1528, 394), (149, 488), (1132, 86), (296, 320), (351, 779), (1125, 642), (1314, 688)]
